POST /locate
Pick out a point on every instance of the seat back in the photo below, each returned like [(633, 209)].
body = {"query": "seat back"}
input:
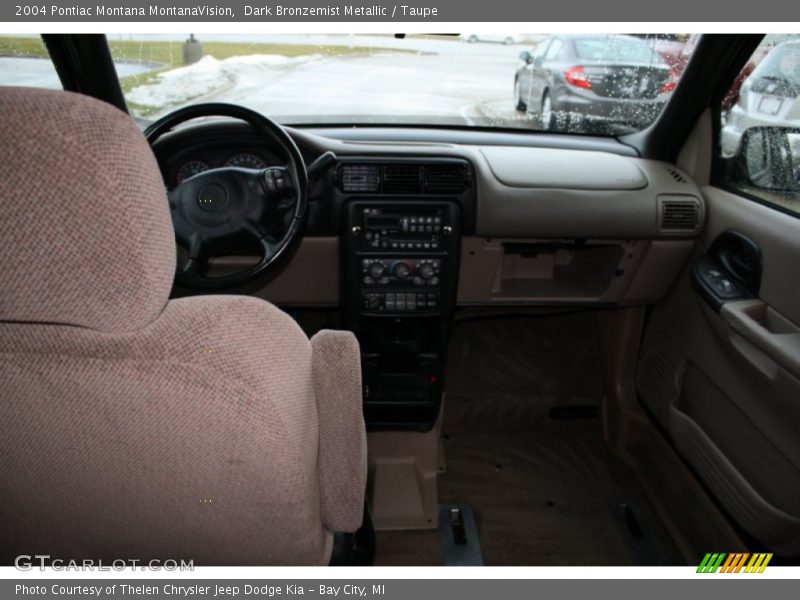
[(133, 427)]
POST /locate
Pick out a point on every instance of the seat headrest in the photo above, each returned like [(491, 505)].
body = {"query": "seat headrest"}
[(86, 228)]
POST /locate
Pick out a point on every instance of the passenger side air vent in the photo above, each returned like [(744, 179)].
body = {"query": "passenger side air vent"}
[(677, 175), (445, 179), (402, 179), (678, 214), (360, 178)]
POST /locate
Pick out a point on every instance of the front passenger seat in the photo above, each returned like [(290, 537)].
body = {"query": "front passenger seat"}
[(206, 428)]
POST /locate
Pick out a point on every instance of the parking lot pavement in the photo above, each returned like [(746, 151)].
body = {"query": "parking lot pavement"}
[(443, 80), (381, 87), (501, 113)]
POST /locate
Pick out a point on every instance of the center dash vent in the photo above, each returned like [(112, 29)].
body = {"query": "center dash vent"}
[(360, 178), (402, 179), (445, 179), (678, 214)]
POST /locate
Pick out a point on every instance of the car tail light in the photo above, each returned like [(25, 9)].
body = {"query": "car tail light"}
[(577, 76), (669, 85)]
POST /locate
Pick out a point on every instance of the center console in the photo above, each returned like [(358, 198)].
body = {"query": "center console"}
[(401, 262)]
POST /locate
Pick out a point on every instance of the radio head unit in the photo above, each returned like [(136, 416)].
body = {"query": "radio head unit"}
[(393, 229)]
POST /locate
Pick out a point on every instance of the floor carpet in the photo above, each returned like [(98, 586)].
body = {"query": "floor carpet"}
[(544, 487)]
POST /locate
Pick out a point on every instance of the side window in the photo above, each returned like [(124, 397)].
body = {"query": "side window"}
[(24, 61), (759, 143), (554, 50)]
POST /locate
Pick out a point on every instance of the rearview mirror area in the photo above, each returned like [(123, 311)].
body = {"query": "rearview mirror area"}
[(768, 160), (526, 57)]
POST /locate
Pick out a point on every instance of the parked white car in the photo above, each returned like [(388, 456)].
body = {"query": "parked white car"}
[(499, 38), (769, 97)]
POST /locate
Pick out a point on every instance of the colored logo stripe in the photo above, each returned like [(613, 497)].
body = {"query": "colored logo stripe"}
[(711, 562), (758, 563), (734, 562)]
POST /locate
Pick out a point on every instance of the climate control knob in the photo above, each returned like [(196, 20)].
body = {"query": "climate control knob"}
[(376, 270), (373, 301), (426, 271), (401, 270)]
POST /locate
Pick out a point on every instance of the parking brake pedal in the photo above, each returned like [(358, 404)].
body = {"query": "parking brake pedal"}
[(459, 535)]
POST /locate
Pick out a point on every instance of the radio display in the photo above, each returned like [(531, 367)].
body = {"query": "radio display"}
[(382, 221)]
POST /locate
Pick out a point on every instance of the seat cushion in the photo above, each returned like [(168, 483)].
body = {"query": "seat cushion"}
[(196, 437)]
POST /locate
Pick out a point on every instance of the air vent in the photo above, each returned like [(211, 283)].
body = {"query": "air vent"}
[(445, 179), (360, 178), (677, 175), (402, 179), (679, 215)]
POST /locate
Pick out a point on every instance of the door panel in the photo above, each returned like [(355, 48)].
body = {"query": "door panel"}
[(724, 381)]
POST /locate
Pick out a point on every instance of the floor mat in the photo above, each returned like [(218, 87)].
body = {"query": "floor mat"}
[(524, 449), (548, 497)]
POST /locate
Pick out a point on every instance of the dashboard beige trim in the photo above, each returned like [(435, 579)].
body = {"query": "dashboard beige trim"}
[(525, 195), (539, 211), (553, 168), (606, 271), (310, 277)]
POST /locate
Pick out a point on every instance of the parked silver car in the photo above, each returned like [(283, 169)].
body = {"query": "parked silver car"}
[(769, 97), (617, 80)]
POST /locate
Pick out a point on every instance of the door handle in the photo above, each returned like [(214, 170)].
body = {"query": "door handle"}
[(766, 329), (731, 270)]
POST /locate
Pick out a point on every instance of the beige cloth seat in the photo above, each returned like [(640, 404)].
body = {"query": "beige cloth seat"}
[(133, 426)]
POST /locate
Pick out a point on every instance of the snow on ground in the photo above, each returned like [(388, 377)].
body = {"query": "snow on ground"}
[(208, 75)]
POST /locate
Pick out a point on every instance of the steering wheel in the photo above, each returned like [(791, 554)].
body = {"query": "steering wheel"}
[(218, 209)]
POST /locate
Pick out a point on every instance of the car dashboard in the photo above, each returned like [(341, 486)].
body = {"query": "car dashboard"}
[(406, 229)]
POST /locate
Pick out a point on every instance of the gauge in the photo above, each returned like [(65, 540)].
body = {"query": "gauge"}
[(246, 160), (190, 169)]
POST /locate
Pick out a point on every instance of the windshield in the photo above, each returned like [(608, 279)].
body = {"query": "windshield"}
[(602, 84)]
